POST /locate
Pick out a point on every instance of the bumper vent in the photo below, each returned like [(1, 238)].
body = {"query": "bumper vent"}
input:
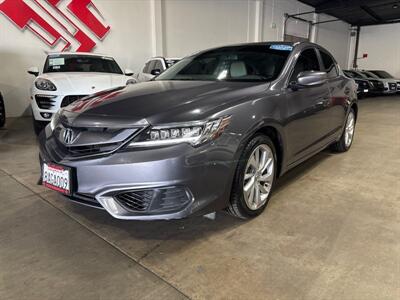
[(136, 200), (45, 101), (70, 99), (154, 200)]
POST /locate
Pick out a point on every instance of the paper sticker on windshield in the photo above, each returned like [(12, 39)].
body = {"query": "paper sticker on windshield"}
[(281, 47), (59, 61)]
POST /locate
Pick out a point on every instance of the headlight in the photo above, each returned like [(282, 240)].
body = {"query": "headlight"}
[(131, 81), (45, 85), (54, 120), (194, 133)]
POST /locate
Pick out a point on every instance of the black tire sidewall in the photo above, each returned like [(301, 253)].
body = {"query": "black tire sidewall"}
[(239, 176)]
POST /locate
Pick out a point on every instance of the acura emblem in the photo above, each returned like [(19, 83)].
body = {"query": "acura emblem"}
[(68, 136)]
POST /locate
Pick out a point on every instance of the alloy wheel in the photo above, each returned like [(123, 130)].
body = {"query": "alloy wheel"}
[(258, 176)]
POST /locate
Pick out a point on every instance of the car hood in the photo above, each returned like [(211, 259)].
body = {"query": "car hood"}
[(82, 83), (158, 102)]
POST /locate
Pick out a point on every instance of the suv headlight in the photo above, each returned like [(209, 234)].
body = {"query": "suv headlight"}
[(194, 133), (45, 85)]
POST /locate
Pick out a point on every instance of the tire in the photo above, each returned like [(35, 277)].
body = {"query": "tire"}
[(344, 143), (240, 204), (2, 112), (38, 126)]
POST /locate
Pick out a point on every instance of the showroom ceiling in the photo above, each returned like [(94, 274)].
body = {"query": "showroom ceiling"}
[(361, 13)]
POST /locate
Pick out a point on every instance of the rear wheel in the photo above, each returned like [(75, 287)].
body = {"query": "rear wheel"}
[(254, 178), (346, 139), (2, 112)]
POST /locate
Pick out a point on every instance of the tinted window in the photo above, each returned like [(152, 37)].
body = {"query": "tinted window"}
[(146, 68), (307, 61), (329, 65), (382, 74), (152, 63), (80, 63), (236, 63), (158, 65)]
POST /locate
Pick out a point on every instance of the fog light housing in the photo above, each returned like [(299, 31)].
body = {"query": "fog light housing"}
[(46, 115)]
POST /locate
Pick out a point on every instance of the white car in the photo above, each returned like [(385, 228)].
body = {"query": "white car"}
[(155, 66), (69, 76)]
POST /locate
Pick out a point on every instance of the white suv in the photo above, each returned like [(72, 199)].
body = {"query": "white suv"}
[(155, 66), (67, 77)]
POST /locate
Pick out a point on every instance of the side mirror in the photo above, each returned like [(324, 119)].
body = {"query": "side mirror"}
[(128, 72), (155, 72), (34, 71), (309, 79)]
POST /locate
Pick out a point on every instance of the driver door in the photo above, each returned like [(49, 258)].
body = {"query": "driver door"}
[(307, 109)]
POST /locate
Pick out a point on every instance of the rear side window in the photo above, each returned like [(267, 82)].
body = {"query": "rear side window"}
[(307, 61), (329, 65), (158, 65)]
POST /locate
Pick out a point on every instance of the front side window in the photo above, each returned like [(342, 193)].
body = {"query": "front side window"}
[(307, 61), (329, 65), (81, 63), (236, 63)]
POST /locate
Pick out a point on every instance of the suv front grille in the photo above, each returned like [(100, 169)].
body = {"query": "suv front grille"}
[(45, 101), (67, 100), (392, 86)]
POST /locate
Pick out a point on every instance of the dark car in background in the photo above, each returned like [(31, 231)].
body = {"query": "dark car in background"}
[(386, 75), (390, 85), (377, 85), (364, 86), (212, 132)]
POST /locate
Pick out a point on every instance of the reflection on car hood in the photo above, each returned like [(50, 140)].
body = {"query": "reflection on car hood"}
[(158, 102)]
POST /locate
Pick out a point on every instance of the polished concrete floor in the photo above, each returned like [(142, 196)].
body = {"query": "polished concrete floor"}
[(331, 231)]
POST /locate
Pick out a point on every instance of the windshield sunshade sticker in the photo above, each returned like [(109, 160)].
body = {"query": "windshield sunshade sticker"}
[(281, 47), (59, 61)]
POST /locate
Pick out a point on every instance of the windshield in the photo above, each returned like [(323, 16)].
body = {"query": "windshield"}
[(236, 63), (382, 74), (81, 63), (369, 74)]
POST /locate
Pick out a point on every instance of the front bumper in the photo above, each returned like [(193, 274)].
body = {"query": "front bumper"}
[(204, 173)]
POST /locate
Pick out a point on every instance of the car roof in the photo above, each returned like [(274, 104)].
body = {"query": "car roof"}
[(76, 53)]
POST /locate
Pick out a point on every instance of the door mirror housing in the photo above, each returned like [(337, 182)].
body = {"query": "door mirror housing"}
[(34, 71), (128, 72), (309, 79), (155, 72)]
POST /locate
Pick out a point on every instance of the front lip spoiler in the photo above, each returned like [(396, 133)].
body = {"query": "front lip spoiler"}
[(119, 212)]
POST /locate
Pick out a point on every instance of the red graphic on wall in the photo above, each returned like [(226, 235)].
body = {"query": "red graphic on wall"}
[(66, 30)]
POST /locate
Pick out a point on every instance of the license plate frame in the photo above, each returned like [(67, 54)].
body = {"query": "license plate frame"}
[(64, 172)]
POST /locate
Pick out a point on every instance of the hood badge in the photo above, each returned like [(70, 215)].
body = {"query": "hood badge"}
[(68, 135)]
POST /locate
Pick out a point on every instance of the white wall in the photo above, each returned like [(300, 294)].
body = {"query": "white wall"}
[(144, 28), (382, 44)]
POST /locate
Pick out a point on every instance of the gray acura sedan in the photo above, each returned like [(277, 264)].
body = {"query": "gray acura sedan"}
[(212, 132)]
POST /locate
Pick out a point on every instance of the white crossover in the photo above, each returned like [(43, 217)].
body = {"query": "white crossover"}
[(69, 76)]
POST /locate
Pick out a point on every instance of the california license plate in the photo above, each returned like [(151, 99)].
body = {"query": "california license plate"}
[(57, 178)]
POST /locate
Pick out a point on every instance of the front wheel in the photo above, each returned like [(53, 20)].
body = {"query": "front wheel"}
[(254, 178), (346, 139)]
